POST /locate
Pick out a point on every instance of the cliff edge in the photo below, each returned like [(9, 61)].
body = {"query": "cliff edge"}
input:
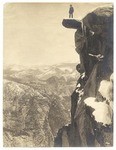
[(92, 100)]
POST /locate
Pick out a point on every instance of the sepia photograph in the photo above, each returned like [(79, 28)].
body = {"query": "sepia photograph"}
[(58, 74)]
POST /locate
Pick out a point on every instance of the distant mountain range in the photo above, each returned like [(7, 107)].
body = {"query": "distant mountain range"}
[(36, 103)]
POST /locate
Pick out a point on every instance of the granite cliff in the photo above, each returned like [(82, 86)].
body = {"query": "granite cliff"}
[(92, 100)]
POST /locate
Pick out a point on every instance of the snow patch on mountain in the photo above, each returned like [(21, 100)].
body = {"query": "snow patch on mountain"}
[(106, 88), (102, 111)]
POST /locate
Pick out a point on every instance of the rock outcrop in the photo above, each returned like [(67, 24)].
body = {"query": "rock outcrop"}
[(92, 100)]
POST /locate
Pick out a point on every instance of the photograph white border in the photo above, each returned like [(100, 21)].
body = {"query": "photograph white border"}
[(2, 2)]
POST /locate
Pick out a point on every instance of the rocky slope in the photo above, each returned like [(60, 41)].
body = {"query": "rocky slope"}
[(92, 100), (34, 108)]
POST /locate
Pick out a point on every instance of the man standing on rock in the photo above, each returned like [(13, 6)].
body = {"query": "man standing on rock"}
[(71, 11)]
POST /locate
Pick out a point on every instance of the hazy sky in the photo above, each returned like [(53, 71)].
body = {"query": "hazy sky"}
[(33, 32)]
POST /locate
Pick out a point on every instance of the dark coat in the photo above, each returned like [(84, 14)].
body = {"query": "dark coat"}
[(71, 10)]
